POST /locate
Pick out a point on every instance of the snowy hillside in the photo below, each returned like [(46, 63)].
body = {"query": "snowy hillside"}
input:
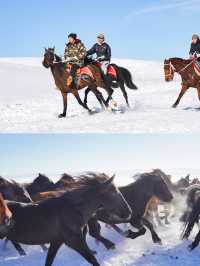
[(30, 103), (138, 252)]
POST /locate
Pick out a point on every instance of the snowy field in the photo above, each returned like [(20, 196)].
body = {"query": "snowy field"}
[(29, 102), (138, 252)]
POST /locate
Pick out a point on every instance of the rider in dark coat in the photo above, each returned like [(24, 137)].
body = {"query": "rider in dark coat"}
[(103, 52), (195, 46)]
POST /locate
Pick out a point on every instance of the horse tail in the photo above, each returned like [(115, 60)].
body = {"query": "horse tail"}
[(128, 78), (191, 220)]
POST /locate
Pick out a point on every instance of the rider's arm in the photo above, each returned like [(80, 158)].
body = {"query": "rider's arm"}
[(92, 50), (108, 54), (82, 52), (66, 53)]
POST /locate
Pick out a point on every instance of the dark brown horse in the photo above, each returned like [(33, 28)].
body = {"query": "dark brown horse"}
[(40, 184), (123, 77), (185, 68), (138, 195), (11, 190), (63, 220), (58, 69)]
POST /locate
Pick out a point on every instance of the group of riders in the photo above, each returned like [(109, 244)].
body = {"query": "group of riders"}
[(76, 53)]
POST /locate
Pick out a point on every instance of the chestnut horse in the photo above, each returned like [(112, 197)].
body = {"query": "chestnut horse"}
[(58, 69), (185, 68)]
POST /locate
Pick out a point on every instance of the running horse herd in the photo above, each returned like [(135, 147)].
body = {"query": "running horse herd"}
[(52, 214), (90, 78)]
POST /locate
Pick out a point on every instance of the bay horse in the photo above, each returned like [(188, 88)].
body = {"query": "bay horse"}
[(138, 195), (61, 75), (119, 79), (68, 216), (185, 68)]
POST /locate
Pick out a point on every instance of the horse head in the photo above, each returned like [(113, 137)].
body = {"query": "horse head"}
[(161, 189), (49, 56), (114, 203), (169, 70)]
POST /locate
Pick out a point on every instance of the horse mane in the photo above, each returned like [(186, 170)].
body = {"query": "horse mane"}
[(85, 185), (181, 60), (152, 175), (58, 58)]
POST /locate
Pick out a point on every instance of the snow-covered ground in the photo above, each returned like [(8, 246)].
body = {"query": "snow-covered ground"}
[(29, 102), (138, 252)]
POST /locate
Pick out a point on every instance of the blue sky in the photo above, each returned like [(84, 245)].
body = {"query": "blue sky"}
[(21, 154), (152, 29)]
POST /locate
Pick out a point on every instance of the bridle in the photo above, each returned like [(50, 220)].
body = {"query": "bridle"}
[(173, 69)]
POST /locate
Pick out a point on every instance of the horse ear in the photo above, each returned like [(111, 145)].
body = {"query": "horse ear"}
[(109, 181)]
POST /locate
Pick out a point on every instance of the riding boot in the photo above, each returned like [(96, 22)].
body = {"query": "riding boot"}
[(74, 74)]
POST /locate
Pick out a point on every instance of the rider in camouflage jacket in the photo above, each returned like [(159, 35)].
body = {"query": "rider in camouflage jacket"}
[(75, 50), (75, 53)]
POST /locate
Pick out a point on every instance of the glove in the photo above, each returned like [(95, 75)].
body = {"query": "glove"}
[(101, 58), (71, 59)]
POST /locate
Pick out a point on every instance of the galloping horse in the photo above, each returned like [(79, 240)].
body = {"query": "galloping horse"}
[(68, 216), (91, 78), (116, 77), (186, 69)]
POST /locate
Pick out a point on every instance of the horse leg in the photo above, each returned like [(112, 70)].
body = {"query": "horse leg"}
[(77, 96), (19, 248), (99, 97), (137, 224), (64, 95), (198, 91), (110, 93), (195, 243), (44, 248), (183, 90), (123, 89), (86, 95), (85, 231), (149, 225), (129, 233), (78, 243), (53, 249), (95, 232)]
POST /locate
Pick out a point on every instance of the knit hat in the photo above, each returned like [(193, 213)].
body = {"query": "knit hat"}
[(195, 36), (101, 36), (73, 35)]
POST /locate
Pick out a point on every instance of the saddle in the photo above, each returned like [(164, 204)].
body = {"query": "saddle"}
[(110, 70), (80, 73)]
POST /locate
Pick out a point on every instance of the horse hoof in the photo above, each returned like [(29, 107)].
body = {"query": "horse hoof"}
[(110, 246), (61, 116), (174, 106)]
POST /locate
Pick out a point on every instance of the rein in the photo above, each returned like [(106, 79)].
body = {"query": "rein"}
[(172, 67)]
